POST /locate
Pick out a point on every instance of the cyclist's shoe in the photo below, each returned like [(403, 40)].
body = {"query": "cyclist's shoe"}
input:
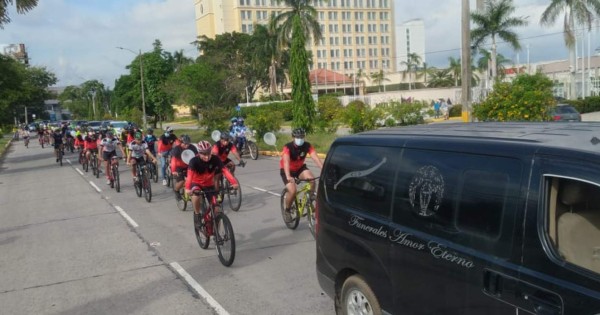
[(197, 220), (164, 182), (135, 179), (178, 196), (56, 160), (108, 182), (287, 215), (219, 198)]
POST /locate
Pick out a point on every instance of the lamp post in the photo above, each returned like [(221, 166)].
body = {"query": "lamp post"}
[(93, 94), (141, 83)]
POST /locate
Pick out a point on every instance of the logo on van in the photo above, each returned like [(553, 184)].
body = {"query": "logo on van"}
[(360, 173), (426, 191)]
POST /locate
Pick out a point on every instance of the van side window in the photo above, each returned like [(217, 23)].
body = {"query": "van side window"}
[(465, 198), (361, 178), (574, 221)]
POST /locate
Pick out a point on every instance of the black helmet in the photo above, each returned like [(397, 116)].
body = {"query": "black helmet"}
[(149, 131), (224, 135), (299, 133), (185, 139)]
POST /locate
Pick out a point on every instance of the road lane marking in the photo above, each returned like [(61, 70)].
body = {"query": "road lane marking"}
[(198, 288), (78, 171), (69, 161), (126, 216), (264, 190), (95, 187)]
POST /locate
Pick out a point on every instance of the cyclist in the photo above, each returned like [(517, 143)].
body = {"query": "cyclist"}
[(57, 141), (222, 148), (138, 149), (109, 149), (165, 144), (150, 140), (178, 166), (90, 145), (292, 165), (201, 176)]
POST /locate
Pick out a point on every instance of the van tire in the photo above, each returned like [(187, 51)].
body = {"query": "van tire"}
[(357, 293)]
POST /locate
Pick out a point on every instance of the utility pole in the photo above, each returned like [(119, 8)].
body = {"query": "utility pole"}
[(466, 62)]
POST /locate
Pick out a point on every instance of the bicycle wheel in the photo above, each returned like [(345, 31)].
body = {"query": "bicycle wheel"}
[(154, 173), (146, 185), (85, 165), (309, 209), (201, 233), (116, 178), (60, 156), (169, 176), (95, 166), (253, 149), (234, 196), (182, 203), (294, 217), (138, 186), (225, 239)]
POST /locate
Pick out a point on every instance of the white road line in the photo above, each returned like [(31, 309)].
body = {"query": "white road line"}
[(264, 190), (199, 289), (78, 171), (126, 216), (95, 187), (69, 161)]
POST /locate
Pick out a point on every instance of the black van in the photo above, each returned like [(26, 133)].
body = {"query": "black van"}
[(482, 218)]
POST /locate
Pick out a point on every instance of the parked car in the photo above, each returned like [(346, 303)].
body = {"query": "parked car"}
[(94, 125), (119, 125), (563, 112), (486, 218)]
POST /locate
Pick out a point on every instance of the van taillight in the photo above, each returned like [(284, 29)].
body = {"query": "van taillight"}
[(556, 118)]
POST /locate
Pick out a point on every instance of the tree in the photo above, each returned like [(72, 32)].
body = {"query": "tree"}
[(496, 22), (378, 78), (412, 62), (441, 78), (576, 12), (455, 69), (270, 49), (297, 24), (23, 6), (484, 63)]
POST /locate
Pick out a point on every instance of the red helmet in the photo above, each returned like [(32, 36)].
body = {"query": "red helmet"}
[(204, 146)]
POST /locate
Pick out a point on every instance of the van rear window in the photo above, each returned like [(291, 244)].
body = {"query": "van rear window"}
[(361, 178)]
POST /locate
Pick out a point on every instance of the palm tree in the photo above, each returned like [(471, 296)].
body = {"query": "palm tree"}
[(426, 71), (180, 60), (378, 78), (413, 61), (496, 22), (297, 25), (271, 49), (483, 64), (576, 12), (441, 78), (455, 69), (22, 7)]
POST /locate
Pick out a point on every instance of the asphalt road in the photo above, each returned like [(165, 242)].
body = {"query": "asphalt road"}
[(68, 249)]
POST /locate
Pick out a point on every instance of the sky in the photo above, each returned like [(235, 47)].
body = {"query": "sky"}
[(77, 39)]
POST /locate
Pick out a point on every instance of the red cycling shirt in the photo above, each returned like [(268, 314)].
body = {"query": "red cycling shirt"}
[(222, 151), (297, 155), (203, 173)]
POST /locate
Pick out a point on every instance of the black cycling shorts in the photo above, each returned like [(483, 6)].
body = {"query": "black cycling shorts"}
[(294, 174), (106, 155)]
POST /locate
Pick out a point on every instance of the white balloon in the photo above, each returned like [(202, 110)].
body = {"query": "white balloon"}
[(215, 135), (270, 138), (187, 155), (73, 133)]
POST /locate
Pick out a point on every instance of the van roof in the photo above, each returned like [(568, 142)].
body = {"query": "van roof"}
[(583, 136)]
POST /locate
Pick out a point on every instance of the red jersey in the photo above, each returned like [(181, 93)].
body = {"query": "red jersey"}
[(297, 155), (90, 143), (203, 173), (176, 161), (222, 151)]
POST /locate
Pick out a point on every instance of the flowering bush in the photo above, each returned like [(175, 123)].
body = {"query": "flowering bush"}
[(360, 117), (527, 98)]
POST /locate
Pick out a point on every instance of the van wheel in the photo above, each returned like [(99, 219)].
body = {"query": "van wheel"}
[(358, 298)]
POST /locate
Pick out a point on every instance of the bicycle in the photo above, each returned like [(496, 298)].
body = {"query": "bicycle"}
[(41, 140), (302, 205), (153, 172), (26, 141), (59, 154), (70, 144), (94, 163), (115, 181), (142, 184), (217, 225), (246, 145), (234, 196), (168, 173)]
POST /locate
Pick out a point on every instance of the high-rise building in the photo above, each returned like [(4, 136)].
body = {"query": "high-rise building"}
[(357, 34), (18, 52), (411, 40)]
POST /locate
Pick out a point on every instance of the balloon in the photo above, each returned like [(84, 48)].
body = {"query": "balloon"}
[(187, 155), (215, 135), (270, 138)]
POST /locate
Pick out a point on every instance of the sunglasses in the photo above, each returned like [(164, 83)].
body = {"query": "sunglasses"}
[(204, 153)]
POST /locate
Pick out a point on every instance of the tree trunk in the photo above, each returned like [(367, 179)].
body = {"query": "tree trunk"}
[(494, 67), (273, 77)]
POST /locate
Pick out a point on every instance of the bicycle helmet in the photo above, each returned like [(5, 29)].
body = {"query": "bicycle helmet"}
[(204, 147), (138, 135), (234, 119), (299, 133), (185, 139), (224, 135), (149, 131)]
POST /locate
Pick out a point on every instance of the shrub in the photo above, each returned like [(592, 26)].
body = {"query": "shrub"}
[(361, 117), (264, 121), (403, 113), (527, 98), (285, 108), (214, 118), (329, 108), (455, 111), (587, 105)]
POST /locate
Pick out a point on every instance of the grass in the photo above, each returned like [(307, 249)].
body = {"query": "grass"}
[(3, 141)]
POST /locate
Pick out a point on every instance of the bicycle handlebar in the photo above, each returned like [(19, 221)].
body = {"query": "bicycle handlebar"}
[(242, 164)]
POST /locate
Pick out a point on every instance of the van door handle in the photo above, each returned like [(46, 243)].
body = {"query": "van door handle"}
[(492, 283), (542, 306)]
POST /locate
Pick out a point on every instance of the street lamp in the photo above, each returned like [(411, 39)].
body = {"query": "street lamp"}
[(93, 94), (141, 83)]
